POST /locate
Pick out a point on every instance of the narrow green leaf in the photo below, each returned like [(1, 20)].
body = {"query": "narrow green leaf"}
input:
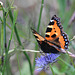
[(52, 70), (15, 16), (2, 40)]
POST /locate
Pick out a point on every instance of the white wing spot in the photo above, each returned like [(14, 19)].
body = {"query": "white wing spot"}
[(50, 26), (47, 33), (51, 20)]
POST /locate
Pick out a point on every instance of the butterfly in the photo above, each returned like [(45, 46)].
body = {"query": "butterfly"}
[(55, 40)]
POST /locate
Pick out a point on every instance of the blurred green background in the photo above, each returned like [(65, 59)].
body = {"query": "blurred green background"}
[(28, 16)]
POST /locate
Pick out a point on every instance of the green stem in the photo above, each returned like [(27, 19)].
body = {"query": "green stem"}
[(4, 24), (14, 21), (18, 38), (6, 64), (39, 21), (11, 36), (18, 64), (52, 70), (2, 45), (29, 62)]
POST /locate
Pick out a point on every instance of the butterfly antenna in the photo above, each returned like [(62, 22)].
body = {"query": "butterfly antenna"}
[(34, 31)]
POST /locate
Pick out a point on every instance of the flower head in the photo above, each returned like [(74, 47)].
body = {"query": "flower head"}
[(43, 61)]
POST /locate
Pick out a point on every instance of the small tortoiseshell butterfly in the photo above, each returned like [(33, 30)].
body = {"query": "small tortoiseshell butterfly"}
[(56, 40)]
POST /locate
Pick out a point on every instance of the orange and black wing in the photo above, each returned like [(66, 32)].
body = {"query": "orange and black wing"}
[(56, 40), (54, 29), (46, 46), (55, 33)]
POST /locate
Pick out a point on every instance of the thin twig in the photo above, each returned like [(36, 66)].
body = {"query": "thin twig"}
[(31, 51), (73, 38), (34, 51), (71, 54)]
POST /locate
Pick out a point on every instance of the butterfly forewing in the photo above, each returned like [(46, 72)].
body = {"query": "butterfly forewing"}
[(55, 33)]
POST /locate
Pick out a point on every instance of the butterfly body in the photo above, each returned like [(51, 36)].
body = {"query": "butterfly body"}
[(55, 39)]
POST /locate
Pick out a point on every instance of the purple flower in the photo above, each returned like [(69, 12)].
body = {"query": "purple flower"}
[(43, 61)]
